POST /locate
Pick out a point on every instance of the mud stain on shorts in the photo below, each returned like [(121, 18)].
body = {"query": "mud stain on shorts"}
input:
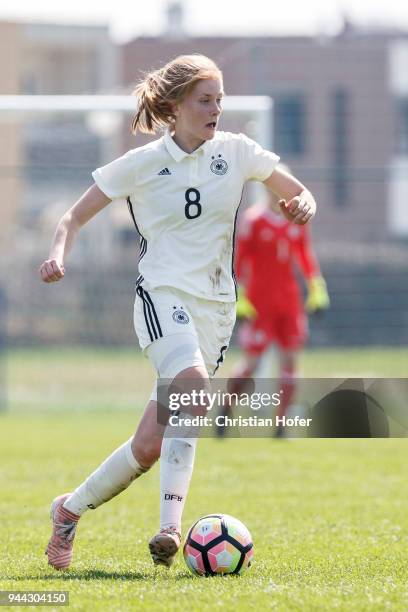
[(216, 277)]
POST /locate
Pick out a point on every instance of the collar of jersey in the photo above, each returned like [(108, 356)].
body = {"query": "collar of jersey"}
[(175, 151)]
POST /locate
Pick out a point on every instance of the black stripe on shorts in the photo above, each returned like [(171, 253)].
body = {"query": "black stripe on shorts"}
[(143, 247), (139, 280), (150, 315), (220, 358), (154, 313)]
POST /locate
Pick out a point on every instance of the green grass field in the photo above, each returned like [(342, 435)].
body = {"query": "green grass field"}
[(328, 517)]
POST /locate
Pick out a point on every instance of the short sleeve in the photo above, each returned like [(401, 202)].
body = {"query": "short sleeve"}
[(119, 178), (258, 163)]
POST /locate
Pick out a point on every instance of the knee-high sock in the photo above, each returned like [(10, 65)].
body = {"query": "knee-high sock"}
[(112, 477), (176, 468)]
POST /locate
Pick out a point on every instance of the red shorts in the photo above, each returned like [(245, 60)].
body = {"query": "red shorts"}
[(286, 328)]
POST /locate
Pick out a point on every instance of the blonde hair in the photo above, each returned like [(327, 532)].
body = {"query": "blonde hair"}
[(162, 88)]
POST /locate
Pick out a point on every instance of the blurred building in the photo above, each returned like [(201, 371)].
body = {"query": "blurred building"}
[(10, 151), (40, 59)]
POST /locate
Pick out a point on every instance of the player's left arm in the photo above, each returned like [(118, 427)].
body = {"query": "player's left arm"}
[(297, 204)]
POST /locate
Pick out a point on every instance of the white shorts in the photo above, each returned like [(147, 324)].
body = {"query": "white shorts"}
[(165, 311)]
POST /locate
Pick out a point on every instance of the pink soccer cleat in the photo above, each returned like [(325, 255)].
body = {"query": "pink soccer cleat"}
[(164, 546), (59, 549)]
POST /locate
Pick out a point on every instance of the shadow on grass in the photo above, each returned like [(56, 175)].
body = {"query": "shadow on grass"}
[(96, 574), (86, 575)]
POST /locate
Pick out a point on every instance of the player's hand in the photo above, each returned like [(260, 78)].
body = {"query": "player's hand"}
[(51, 270), (245, 309), (317, 297), (299, 209)]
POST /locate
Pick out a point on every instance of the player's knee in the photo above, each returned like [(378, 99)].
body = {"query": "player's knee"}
[(194, 373), (194, 384), (181, 369)]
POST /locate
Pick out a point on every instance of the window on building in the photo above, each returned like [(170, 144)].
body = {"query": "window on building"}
[(29, 84), (401, 126), (339, 121), (59, 157), (290, 123)]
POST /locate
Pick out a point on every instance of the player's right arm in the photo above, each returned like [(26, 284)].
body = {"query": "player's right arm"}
[(88, 205)]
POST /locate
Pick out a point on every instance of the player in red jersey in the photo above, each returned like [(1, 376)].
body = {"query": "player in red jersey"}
[(269, 249)]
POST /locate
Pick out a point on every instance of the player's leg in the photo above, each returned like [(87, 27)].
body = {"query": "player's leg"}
[(170, 353), (252, 340), (238, 382), (171, 356), (178, 448), (287, 362), (122, 467), (132, 458), (115, 474), (291, 333), (213, 323), (112, 477), (126, 463)]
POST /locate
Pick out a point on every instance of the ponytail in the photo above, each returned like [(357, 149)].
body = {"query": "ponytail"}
[(163, 88)]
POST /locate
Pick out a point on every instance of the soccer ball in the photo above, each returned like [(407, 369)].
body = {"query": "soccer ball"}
[(218, 544)]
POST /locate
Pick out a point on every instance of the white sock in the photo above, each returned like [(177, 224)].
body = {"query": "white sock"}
[(176, 468), (112, 477)]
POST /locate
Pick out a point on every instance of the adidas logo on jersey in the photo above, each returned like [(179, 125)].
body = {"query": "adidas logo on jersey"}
[(164, 171)]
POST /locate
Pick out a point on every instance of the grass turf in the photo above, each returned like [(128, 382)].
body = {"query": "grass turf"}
[(328, 517)]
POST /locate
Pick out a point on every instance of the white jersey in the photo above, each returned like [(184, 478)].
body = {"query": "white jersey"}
[(185, 206)]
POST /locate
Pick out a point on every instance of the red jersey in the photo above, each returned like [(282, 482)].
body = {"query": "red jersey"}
[(268, 249)]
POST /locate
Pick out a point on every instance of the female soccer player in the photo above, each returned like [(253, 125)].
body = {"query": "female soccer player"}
[(183, 192)]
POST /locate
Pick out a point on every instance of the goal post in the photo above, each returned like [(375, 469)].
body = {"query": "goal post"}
[(258, 108)]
